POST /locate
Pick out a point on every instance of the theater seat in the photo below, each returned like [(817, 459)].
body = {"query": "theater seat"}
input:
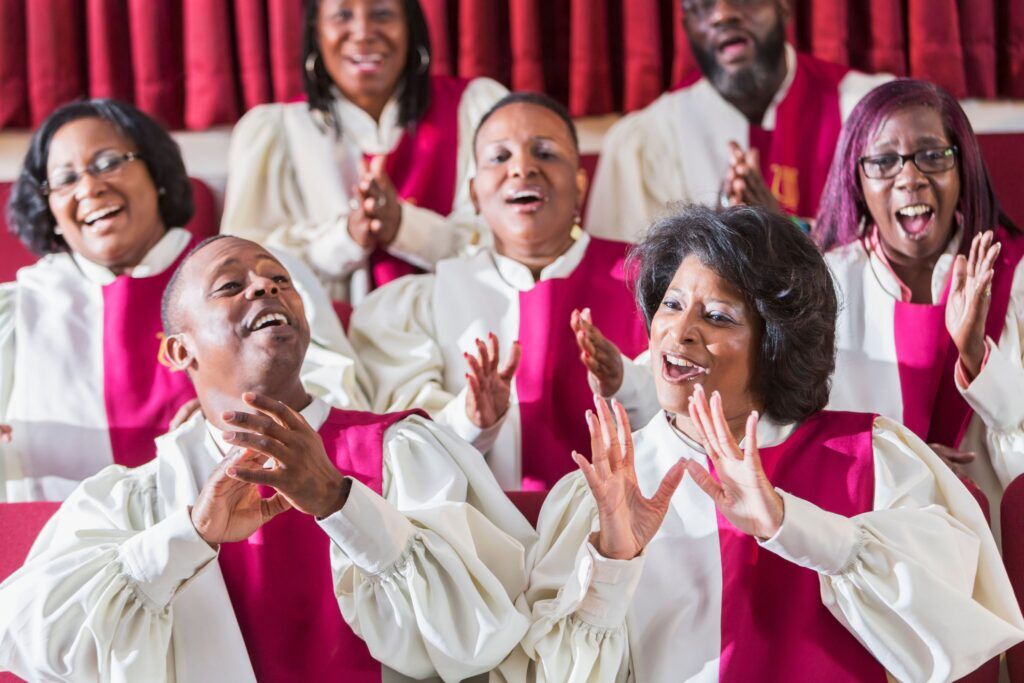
[(20, 523), (1012, 521), (529, 503), (13, 255)]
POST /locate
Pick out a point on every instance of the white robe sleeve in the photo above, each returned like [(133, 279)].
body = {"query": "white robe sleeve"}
[(264, 202), (425, 237), (635, 178), (919, 580), (98, 586), (638, 394), (8, 315), (577, 599), (393, 333), (428, 573)]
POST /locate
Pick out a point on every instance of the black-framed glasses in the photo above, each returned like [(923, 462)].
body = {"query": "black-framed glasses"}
[(106, 164), (928, 161)]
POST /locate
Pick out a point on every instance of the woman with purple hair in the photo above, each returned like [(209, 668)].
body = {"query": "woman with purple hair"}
[(931, 284)]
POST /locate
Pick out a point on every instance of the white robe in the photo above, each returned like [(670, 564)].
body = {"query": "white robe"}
[(677, 150), (867, 375), (289, 183), (918, 580), (119, 586), (410, 337), (56, 404)]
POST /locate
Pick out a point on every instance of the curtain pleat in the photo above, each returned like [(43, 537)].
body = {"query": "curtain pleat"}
[(13, 76), (201, 63)]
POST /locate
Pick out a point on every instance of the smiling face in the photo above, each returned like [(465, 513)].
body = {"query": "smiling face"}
[(242, 324), (915, 212), (704, 332), (739, 44), (364, 45), (528, 184), (113, 220)]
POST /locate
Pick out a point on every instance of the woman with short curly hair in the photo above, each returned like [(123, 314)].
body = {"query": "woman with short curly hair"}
[(103, 197), (803, 545)]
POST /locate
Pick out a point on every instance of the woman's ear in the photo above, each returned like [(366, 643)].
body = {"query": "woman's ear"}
[(472, 194), (175, 352), (581, 183)]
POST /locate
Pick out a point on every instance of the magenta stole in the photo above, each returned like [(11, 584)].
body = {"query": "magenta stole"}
[(279, 579), (774, 625), (141, 394), (933, 407), (423, 167), (551, 382)]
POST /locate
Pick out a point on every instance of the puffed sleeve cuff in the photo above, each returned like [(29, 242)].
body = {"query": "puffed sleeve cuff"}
[(814, 538), (611, 588), (637, 393), (371, 532), (162, 558), (418, 236), (995, 392), (454, 416)]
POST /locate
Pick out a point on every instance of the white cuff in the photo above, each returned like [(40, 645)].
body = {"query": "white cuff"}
[(995, 394), (163, 557), (335, 253), (454, 416), (369, 530), (420, 234), (814, 538), (611, 589)]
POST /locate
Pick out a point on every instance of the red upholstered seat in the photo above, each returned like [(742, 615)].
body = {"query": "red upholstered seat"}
[(528, 502), (1012, 522), (13, 255), (20, 523)]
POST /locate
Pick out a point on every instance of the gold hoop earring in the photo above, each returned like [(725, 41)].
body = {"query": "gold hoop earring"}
[(424, 59), (311, 65)]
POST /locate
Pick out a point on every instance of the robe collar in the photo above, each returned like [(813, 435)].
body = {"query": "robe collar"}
[(519, 276), (886, 276), (769, 432), (156, 260), (372, 137)]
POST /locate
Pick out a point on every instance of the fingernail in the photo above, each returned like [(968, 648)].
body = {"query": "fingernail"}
[(756, 415), (248, 396), (228, 415), (228, 436)]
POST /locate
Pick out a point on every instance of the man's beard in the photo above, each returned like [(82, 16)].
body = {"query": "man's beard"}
[(753, 82)]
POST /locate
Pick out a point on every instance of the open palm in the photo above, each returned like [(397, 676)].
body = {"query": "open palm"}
[(628, 520), (969, 299)]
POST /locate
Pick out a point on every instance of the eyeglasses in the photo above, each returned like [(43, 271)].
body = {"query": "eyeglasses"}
[(702, 8), (928, 161), (105, 165)]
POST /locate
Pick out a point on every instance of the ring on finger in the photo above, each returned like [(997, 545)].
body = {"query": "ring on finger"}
[(353, 204)]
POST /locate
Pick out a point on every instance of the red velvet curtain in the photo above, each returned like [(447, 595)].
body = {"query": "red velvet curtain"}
[(198, 63)]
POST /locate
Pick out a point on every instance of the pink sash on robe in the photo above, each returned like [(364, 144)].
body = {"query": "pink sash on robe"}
[(423, 167), (774, 625), (551, 382), (933, 407), (280, 582), (141, 394), (796, 156)]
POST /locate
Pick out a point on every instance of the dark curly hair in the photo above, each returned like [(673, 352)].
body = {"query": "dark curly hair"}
[(782, 276), (28, 211), (414, 97)]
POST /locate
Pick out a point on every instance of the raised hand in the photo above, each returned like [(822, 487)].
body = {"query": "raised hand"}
[(628, 519), (300, 470), (228, 509), (744, 183), (489, 386), (969, 299), (600, 356), (742, 493)]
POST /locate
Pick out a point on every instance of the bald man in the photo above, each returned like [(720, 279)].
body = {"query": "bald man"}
[(274, 539)]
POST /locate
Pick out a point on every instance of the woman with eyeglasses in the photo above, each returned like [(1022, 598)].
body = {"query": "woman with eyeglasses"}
[(929, 271), (358, 178), (100, 197)]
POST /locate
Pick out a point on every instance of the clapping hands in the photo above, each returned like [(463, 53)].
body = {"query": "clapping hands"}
[(375, 212), (600, 356)]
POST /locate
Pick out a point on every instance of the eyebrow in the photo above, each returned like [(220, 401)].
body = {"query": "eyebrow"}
[(917, 140), (726, 302), (93, 156), (232, 261)]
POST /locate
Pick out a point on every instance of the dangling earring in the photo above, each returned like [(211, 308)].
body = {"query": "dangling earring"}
[(577, 229), (311, 65), (57, 230), (424, 59), (161, 190)]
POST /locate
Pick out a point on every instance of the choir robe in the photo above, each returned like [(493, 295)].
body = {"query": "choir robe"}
[(290, 180), (411, 336), (677, 148), (120, 587), (914, 578), (868, 369), (79, 364)]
